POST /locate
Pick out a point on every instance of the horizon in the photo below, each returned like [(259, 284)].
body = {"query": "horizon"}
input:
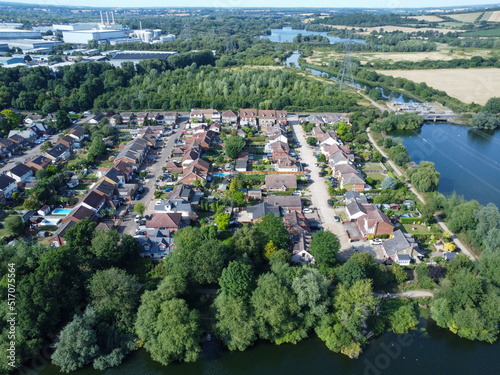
[(259, 4)]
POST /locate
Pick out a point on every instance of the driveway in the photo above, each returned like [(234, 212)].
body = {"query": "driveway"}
[(154, 170), (318, 189)]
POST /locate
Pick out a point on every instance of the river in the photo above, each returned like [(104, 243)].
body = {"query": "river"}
[(422, 352), (468, 160), (286, 34)]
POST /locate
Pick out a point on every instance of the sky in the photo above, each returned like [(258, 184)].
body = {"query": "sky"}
[(263, 3)]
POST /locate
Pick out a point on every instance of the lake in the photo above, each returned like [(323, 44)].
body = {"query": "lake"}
[(468, 159), (434, 351), (286, 34)]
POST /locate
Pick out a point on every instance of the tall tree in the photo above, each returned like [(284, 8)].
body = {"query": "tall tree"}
[(233, 146), (324, 247)]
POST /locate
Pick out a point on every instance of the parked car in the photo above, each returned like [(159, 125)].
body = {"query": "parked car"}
[(137, 218), (307, 211), (330, 202), (376, 241), (336, 218)]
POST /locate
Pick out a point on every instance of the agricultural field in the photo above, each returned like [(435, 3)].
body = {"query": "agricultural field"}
[(490, 32), (486, 16), (495, 16), (466, 17), (467, 85), (444, 53), (388, 28), (427, 18)]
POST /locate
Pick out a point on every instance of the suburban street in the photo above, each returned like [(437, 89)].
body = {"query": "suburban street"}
[(398, 173), (319, 197), (154, 170)]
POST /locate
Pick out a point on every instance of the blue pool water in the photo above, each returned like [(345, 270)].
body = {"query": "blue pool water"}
[(62, 211), (221, 174)]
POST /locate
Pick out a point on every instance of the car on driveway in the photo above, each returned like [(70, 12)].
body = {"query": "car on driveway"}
[(336, 218), (376, 241), (307, 211), (330, 202)]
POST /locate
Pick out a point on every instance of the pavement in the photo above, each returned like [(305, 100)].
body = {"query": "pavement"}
[(443, 226), (129, 226), (410, 294)]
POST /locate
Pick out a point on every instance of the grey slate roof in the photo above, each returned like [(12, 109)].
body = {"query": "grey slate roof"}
[(57, 150), (20, 170), (398, 242), (262, 209), (5, 181)]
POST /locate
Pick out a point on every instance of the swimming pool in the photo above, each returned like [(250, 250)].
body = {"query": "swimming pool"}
[(49, 221), (62, 211), (222, 174)]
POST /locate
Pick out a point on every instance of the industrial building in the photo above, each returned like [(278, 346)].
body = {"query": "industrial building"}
[(167, 38), (7, 34), (84, 36), (138, 56), (4, 61), (33, 45)]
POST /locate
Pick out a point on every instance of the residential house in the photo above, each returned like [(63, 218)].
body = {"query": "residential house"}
[(7, 185), (114, 176), (334, 118), (78, 133), (355, 196), (140, 117), (21, 173), (229, 117), (105, 189), (317, 132), (127, 116), (174, 167), (30, 119), (215, 128), (375, 223), (79, 213), (282, 117), (281, 182), (248, 116), (287, 203), (341, 169), (296, 223), (8, 147), (302, 257), (156, 244), (125, 168), (40, 162), (93, 201), (115, 120), (197, 170), (260, 210), (267, 117), (96, 119), (27, 134), (352, 181), (286, 164), (20, 141), (314, 119), (40, 129), (197, 115), (241, 165), (174, 206), (73, 182), (170, 118), (68, 141), (58, 153), (168, 221), (178, 152), (329, 138), (126, 191), (255, 194), (58, 239), (399, 245)]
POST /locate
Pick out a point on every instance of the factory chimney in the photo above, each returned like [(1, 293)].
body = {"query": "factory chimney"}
[(107, 18), (113, 16), (140, 24), (102, 20)]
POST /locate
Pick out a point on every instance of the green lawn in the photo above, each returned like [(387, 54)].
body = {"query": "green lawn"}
[(377, 176), (76, 158), (420, 229), (81, 187), (492, 32), (91, 176), (105, 165), (371, 166)]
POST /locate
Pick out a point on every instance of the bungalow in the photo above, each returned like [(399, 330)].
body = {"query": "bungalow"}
[(45, 210), (40, 162), (351, 196), (287, 203), (168, 221), (80, 213), (401, 247), (29, 120), (248, 117), (58, 152), (241, 165), (229, 117), (281, 182), (28, 134), (7, 185), (156, 244), (78, 133), (352, 181), (286, 164), (260, 210), (334, 118), (314, 119), (96, 119), (267, 117), (93, 201), (21, 173), (58, 239)]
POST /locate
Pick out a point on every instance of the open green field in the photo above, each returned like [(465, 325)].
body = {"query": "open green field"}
[(486, 16), (371, 166), (420, 229), (466, 17), (377, 176), (491, 32)]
